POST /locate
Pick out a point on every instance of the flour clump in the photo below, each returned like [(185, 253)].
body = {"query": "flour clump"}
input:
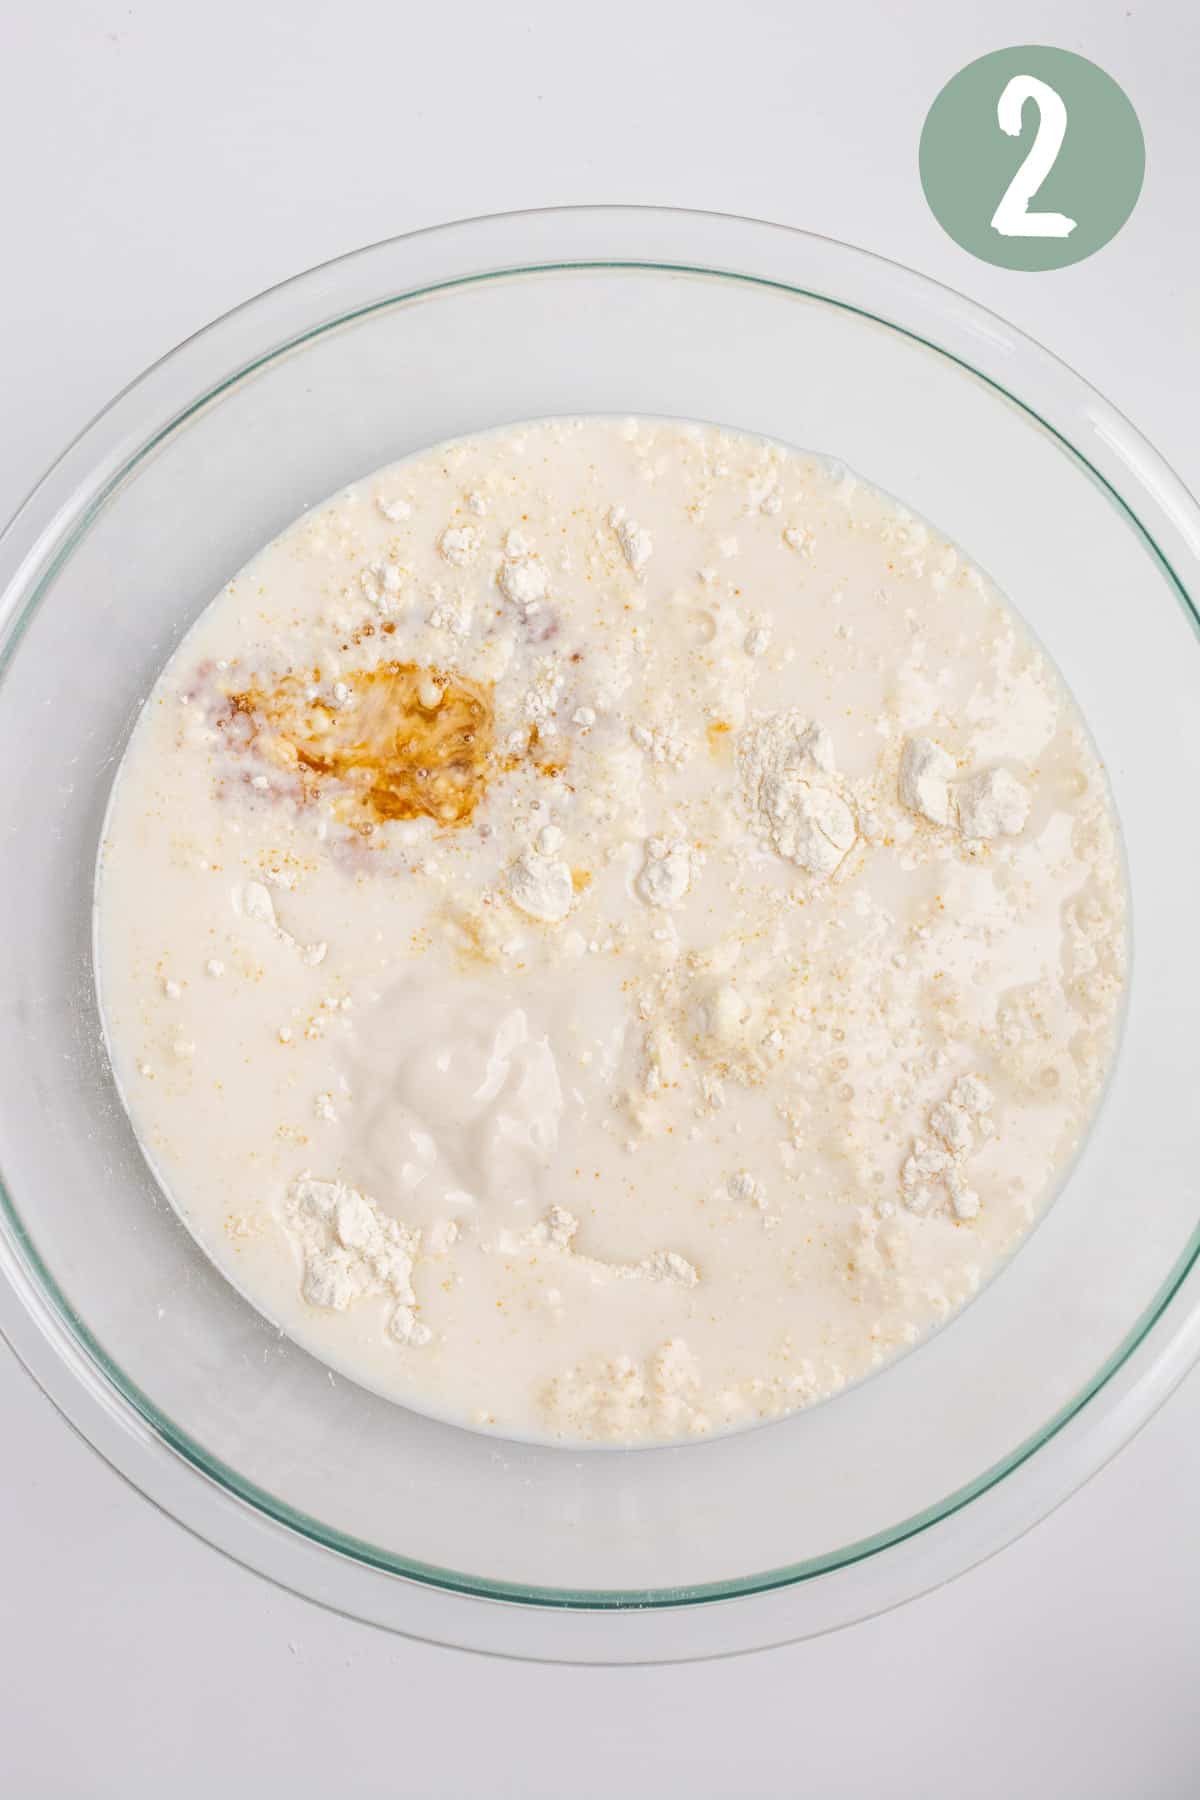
[(353, 1251), (992, 805), (987, 805), (542, 887), (637, 545), (926, 772), (458, 544), (795, 800), (523, 576), (666, 873)]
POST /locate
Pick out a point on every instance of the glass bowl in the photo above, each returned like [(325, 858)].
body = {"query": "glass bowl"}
[(710, 1547)]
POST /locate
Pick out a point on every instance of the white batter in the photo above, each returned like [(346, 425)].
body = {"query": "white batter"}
[(609, 931)]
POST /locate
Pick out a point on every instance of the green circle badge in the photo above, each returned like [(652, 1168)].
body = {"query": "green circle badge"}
[(1032, 158)]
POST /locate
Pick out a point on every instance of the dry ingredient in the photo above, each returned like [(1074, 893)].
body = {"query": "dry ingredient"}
[(610, 932)]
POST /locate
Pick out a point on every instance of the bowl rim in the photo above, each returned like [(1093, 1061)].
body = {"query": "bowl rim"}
[(48, 1335)]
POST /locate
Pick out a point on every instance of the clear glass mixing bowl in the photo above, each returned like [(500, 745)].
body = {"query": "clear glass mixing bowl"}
[(620, 1555)]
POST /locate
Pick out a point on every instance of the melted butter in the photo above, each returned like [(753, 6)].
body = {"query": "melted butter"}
[(407, 743)]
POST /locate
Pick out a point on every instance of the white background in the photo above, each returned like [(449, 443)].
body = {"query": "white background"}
[(159, 164)]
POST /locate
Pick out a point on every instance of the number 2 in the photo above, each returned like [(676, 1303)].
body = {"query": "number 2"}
[(1012, 218)]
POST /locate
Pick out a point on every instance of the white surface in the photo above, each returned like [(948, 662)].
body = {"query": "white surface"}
[(165, 162)]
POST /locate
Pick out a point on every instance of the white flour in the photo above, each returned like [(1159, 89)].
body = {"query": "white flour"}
[(989, 804), (787, 767), (352, 1250)]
